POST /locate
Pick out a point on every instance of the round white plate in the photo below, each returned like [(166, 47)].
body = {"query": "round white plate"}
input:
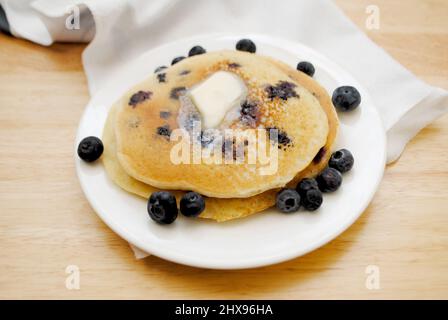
[(258, 240)]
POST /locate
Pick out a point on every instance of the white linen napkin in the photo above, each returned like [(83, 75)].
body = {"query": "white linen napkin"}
[(122, 30)]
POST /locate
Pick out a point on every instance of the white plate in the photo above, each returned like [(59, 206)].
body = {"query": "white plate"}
[(258, 240)]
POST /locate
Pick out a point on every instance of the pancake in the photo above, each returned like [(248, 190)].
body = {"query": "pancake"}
[(227, 209), (151, 109)]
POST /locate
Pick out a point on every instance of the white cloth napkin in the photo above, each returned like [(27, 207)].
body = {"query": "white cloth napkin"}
[(122, 30)]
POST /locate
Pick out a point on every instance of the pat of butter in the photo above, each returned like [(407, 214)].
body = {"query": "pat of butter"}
[(216, 95)]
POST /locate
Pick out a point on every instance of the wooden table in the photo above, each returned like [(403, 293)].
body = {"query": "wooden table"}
[(47, 224)]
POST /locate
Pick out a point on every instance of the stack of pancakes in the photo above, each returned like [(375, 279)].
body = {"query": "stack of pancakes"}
[(138, 147)]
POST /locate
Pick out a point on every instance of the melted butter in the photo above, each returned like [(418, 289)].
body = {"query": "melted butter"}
[(216, 96)]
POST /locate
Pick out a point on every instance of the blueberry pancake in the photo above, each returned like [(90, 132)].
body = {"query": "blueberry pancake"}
[(228, 209), (260, 95)]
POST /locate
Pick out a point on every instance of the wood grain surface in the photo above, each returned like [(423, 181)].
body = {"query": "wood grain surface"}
[(47, 224)]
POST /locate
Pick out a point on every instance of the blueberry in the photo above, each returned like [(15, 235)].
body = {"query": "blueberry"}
[(306, 67), (234, 65), (206, 137), (249, 109), (346, 98), (158, 69), (175, 93), (306, 185), (282, 90), (177, 59), (161, 77), (90, 149), (246, 45), (196, 50), (139, 97), (162, 207), (288, 200), (342, 160), (329, 180), (164, 114), (164, 131), (282, 136), (312, 199), (192, 204)]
